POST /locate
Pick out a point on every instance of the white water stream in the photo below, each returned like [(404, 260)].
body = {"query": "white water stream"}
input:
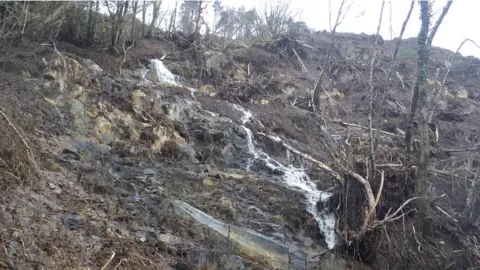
[(293, 177), (163, 73)]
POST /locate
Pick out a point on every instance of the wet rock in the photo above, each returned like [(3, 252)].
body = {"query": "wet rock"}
[(308, 242), (148, 171), (70, 153), (103, 149), (215, 260), (189, 151), (73, 221), (332, 262), (169, 239), (181, 266), (91, 66), (227, 153)]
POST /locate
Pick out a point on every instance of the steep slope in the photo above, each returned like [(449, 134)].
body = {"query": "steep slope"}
[(191, 169)]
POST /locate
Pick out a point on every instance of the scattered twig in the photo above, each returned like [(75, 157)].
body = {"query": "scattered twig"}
[(238, 66), (392, 216), (434, 200), (461, 150), (300, 61), (445, 213), (416, 239), (362, 127), (108, 262), (379, 192), (400, 78), (28, 150), (388, 165)]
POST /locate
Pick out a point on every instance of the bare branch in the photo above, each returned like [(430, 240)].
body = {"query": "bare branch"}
[(389, 218), (438, 93), (439, 22), (305, 156), (318, 85), (372, 99)]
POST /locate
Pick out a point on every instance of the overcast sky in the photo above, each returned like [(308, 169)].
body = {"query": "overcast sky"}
[(461, 21)]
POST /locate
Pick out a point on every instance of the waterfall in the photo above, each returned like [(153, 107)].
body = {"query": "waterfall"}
[(162, 72), (158, 72), (294, 178)]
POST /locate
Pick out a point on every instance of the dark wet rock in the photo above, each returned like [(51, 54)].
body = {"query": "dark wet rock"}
[(451, 117), (331, 261), (149, 171), (181, 266), (73, 221), (215, 260)]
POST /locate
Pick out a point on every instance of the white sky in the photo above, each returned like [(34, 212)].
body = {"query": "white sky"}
[(460, 22)]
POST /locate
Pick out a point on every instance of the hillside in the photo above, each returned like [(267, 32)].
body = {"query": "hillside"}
[(115, 163)]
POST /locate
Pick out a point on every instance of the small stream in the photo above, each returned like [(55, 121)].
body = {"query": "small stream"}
[(294, 178)]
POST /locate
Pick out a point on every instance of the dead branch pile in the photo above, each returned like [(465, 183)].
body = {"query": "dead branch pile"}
[(286, 47), (252, 89), (17, 158)]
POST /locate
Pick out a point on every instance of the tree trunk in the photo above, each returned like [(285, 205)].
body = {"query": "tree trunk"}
[(415, 97), (156, 11), (144, 12), (173, 18), (419, 100), (135, 6), (198, 19), (317, 91), (90, 30)]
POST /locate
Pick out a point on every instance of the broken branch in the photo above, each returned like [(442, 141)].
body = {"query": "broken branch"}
[(305, 156)]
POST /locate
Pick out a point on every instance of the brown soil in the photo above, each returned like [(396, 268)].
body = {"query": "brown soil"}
[(76, 214)]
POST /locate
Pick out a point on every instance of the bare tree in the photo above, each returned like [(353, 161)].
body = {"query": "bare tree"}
[(117, 11), (419, 100), (415, 94), (92, 21), (155, 15), (275, 18), (372, 95), (341, 14), (173, 18), (199, 17), (134, 11), (144, 14)]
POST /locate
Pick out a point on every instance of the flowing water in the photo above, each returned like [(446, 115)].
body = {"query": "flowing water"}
[(293, 177), (162, 72), (164, 75)]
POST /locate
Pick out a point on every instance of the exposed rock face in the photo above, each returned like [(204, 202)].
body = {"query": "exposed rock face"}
[(133, 124)]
